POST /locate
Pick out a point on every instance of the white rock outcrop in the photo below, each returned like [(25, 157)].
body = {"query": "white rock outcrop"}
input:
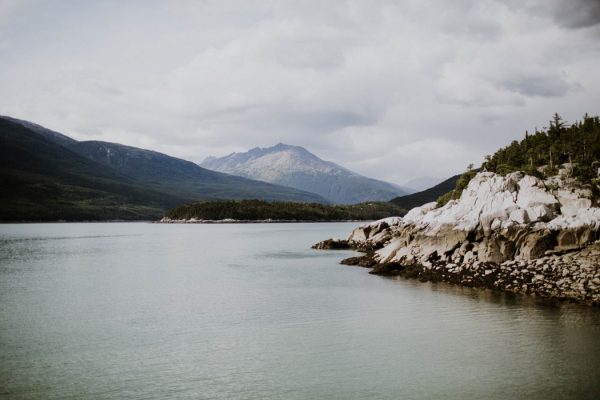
[(497, 219)]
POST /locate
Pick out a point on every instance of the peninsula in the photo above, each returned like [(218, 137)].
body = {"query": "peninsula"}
[(534, 232)]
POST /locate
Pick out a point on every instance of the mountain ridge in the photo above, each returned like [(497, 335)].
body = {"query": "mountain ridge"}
[(42, 180), (47, 176), (297, 167), (169, 173)]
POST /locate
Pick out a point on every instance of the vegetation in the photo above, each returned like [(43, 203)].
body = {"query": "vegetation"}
[(417, 199), (46, 176), (461, 184), (544, 152), (183, 178), (44, 181), (288, 211)]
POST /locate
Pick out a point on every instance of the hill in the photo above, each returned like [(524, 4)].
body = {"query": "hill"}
[(296, 167), (418, 199), (184, 178), (47, 176), (545, 151), (44, 181), (421, 183), (573, 151)]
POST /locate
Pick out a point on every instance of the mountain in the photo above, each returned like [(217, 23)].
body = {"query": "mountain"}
[(42, 180), (47, 133), (184, 178), (47, 176), (418, 199), (422, 183), (296, 167)]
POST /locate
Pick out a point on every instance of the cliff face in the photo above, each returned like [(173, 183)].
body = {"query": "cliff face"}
[(515, 232)]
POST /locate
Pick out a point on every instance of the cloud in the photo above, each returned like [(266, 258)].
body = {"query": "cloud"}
[(391, 89), (544, 86), (578, 13)]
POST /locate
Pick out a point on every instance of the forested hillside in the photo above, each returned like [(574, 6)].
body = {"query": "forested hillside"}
[(47, 176), (289, 211), (578, 143), (41, 180), (543, 152), (417, 199)]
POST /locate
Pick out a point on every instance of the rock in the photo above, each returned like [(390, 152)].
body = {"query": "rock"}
[(517, 226), (496, 224), (540, 212), (575, 238), (535, 244), (573, 200), (469, 256), (332, 244), (362, 261), (519, 216), (532, 193), (496, 249)]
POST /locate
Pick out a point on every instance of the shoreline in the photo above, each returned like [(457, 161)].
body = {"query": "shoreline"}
[(569, 277), (515, 233), (113, 221), (149, 221), (251, 221)]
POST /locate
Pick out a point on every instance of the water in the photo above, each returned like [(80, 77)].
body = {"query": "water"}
[(148, 311)]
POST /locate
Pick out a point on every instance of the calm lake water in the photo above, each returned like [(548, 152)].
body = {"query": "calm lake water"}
[(149, 311)]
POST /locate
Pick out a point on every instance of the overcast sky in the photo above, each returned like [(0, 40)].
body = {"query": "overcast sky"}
[(390, 89)]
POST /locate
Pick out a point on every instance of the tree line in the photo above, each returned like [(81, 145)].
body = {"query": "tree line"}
[(280, 210), (543, 152)]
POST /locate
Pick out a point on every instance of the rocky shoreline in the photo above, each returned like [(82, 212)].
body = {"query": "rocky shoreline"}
[(572, 276), (515, 233)]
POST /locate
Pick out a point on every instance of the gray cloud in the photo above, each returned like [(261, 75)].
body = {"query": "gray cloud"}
[(390, 89), (538, 86), (578, 13)]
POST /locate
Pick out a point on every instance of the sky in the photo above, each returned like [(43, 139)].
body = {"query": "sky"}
[(390, 89)]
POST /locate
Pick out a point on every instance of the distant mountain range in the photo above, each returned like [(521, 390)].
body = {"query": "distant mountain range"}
[(48, 176), (296, 167), (45, 175)]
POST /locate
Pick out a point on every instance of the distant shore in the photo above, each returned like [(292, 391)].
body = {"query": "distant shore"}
[(248, 221)]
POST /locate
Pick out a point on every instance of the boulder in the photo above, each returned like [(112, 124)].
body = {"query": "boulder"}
[(575, 238), (535, 244), (540, 213), (332, 244), (519, 216), (532, 193)]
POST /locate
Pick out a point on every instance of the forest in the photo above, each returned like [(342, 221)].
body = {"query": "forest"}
[(286, 211), (543, 152)]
